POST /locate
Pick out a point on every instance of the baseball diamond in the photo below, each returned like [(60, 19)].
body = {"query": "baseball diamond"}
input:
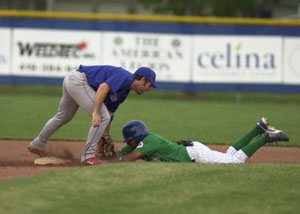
[(16, 161)]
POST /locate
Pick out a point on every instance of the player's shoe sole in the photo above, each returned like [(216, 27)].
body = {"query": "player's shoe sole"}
[(93, 161), (274, 135), (38, 152), (263, 124), (37, 147)]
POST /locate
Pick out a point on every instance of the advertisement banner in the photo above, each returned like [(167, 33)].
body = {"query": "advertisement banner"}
[(167, 54), (53, 52), (237, 59), (5, 51), (291, 74)]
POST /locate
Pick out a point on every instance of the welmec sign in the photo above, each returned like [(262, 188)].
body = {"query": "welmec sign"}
[(53, 53)]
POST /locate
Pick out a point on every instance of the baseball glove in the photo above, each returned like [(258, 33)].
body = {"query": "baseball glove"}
[(106, 147)]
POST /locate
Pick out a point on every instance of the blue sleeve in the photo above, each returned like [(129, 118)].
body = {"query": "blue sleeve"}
[(115, 82)]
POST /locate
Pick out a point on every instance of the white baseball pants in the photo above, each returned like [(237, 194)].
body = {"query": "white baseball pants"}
[(202, 154)]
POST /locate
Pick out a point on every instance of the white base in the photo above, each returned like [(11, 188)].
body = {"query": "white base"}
[(50, 160)]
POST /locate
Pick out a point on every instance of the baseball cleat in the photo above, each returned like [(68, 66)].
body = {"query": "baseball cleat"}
[(274, 135), (94, 161), (37, 147), (36, 151), (263, 124)]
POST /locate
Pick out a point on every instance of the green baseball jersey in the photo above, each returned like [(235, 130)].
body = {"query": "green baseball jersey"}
[(154, 146)]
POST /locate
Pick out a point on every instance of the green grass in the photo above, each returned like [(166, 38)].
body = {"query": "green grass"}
[(213, 118), (157, 188)]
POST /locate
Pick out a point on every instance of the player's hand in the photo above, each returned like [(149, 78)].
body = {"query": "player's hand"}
[(96, 119)]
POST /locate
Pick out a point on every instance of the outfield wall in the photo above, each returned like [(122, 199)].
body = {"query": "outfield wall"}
[(187, 53)]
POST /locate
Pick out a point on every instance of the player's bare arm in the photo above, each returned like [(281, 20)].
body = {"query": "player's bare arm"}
[(99, 98), (133, 156)]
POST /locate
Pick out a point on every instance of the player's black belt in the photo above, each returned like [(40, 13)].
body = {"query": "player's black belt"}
[(185, 143)]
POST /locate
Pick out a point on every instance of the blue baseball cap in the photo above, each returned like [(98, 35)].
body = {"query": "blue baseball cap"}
[(148, 73)]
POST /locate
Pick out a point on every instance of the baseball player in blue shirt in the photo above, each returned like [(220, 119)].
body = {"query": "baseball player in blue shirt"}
[(99, 90)]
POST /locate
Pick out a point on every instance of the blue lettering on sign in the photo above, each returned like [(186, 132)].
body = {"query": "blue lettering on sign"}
[(2, 59), (235, 59)]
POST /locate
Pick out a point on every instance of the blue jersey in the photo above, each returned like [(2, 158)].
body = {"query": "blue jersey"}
[(118, 79)]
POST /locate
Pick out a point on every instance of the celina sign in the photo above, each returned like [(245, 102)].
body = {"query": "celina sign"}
[(234, 57), (2, 60), (237, 59)]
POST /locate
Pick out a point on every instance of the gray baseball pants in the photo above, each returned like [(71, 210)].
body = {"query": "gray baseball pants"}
[(77, 93)]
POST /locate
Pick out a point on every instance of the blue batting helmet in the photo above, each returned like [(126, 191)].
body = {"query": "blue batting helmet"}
[(134, 129)]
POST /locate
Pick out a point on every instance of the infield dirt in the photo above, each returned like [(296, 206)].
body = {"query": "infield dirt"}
[(16, 161)]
